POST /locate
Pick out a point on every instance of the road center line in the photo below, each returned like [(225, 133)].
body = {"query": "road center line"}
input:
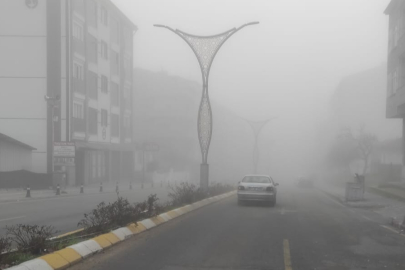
[(392, 230), (5, 219), (287, 256)]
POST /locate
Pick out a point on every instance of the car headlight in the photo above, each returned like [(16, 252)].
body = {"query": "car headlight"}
[(241, 188), (270, 189)]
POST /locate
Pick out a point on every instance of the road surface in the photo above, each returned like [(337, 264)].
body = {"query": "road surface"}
[(64, 212), (306, 230)]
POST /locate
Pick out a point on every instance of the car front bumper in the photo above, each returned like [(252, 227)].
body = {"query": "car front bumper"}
[(250, 196)]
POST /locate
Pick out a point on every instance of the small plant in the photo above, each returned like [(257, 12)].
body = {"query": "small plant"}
[(185, 193), (98, 220), (5, 246), (31, 238)]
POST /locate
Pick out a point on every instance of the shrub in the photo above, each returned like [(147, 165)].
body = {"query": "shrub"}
[(5, 246), (31, 238), (185, 193), (98, 220)]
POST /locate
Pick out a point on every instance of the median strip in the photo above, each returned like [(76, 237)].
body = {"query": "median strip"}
[(70, 255)]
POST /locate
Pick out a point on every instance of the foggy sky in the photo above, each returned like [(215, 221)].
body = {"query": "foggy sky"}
[(287, 66)]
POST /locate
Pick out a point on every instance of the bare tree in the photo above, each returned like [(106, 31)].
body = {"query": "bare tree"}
[(365, 145)]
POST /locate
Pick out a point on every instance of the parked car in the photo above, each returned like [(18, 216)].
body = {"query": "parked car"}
[(257, 188)]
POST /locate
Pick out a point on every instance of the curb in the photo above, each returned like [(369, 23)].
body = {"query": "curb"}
[(71, 255), (384, 193)]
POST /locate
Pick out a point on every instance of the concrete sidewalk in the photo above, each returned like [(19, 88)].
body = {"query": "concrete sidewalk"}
[(389, 208), (20, 194)]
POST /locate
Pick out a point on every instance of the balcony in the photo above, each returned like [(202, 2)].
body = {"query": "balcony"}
[(79, 125)]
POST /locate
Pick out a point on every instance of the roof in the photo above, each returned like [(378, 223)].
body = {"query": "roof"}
[(119, 11), (391, 6), (6, 138)]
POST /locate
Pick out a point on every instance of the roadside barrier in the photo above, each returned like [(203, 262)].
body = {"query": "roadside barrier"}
[(28, 192), (81, 189), (58, 190), (101, 186)]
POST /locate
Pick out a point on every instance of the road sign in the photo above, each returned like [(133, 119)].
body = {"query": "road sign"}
[(64, 149), (64, 161), (150, 147)]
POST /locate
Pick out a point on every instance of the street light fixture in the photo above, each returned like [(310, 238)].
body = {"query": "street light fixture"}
[(205, 49), (257, 127)]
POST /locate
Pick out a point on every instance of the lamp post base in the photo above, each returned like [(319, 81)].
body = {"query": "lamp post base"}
[(204, 174)]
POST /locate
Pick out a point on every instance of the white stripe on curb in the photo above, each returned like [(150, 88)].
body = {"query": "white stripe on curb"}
[(165, 216), (81, 249), (37, 264), (147, 223), (92, 245), (122, 233), (179, 211)]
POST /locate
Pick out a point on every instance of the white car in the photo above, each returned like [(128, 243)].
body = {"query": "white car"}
[(257, 188)]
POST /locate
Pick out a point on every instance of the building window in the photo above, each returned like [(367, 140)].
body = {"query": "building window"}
[(115, 125), (104, 118), (127, 122), (93, 121), (115, 94), (78, 71), (77, 30), (104, 84), (104, 50), (78, 111), (104, 16), (92, 84), (115, 31)]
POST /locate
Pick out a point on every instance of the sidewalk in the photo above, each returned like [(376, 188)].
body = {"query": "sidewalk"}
[(20, 194), (388, 207)]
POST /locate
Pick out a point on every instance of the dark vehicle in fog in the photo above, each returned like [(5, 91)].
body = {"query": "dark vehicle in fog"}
[(257, 188)]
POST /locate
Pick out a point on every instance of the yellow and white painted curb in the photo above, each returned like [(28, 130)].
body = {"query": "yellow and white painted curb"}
[(66, 257)]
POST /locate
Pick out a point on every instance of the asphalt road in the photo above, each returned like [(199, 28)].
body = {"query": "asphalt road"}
[(64, 212), (305, 230)]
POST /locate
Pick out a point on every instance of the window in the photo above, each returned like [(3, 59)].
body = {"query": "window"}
[(104, 16), (78, 71), (93, 121), (104, 117), (104, 50), (127, 122), (92, 84), (389, 85), (115, 125), (114, 30), (104, 84), (78, 111), (395, 81), (77, 30), (115, 61), (115, 94)]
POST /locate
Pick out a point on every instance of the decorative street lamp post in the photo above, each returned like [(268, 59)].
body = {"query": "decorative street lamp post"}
[(205, 48), (257, 126)]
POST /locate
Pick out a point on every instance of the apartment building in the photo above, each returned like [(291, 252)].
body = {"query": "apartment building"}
[(66, 76)]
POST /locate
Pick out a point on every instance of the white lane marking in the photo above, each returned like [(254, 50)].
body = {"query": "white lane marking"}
[(369, 219), (5, 219)]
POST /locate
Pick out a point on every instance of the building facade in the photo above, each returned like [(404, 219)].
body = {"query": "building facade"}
[(396, 67), (77, 54)]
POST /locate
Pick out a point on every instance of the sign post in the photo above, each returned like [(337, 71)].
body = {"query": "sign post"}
[(64, 155)]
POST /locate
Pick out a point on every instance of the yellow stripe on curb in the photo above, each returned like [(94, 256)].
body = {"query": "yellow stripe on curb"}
[(112, 238), (102, 241), (136, 228), (55, 261), (70, 255), (173, 214), (158, 220)]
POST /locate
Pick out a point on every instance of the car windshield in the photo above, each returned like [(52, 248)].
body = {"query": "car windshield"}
[(256, 179)]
